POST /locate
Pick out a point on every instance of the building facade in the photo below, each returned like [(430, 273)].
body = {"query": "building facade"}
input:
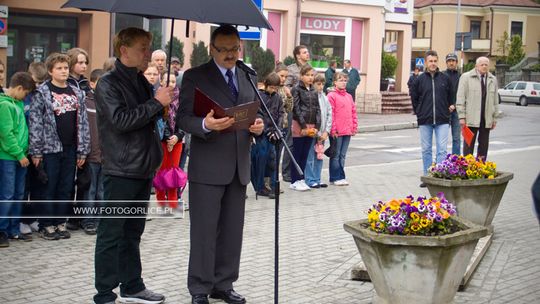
[(435, 26), (332, 29)]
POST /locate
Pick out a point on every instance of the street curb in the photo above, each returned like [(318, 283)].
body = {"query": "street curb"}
[(387, 127)]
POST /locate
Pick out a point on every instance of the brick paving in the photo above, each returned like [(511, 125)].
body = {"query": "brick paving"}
[(316, 253)]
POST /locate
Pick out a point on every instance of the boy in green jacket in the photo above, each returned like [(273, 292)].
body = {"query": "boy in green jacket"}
[(13, 161)]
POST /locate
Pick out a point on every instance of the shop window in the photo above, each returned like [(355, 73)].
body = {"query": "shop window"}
[(323, 48), (32, 38), (516, 28)]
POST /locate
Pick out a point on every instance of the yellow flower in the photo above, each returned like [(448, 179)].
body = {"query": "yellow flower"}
[(424, 222), (415, 217), (415, 227)]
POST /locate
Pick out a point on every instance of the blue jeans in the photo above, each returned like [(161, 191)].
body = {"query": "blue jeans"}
[(426, 141), (337, 163), (313, 167), (95, 193), (456, 133), (60, 169), (12, 181)]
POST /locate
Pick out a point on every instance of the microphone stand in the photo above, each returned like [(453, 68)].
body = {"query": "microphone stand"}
[(276, 187)]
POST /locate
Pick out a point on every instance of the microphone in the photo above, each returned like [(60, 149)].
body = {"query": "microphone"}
[(242, 66)]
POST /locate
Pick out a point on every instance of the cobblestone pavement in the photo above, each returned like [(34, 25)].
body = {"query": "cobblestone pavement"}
[(316, 254)]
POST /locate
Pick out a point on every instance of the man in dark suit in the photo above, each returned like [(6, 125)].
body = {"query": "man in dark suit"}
[(219, 170)]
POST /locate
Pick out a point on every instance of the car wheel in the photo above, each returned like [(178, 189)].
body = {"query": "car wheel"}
[(523, 101)]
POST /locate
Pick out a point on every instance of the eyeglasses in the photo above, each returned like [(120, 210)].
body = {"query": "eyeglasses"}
[(227, 51)]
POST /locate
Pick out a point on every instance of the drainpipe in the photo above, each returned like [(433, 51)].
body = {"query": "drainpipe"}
[(491, 26), (431, 30), (298, 18)]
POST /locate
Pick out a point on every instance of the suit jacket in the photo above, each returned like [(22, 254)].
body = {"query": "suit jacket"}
[(215, 157)]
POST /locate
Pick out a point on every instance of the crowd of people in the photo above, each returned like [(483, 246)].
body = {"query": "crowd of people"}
[(100, 141)]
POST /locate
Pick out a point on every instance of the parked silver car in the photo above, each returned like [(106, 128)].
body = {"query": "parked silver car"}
[(520, 93)]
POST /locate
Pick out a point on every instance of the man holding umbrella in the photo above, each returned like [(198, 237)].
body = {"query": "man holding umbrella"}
[(131, 150), (219, 170)]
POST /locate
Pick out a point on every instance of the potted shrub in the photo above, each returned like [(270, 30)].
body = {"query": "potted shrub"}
[(474, 185), (389, 65), (415, 250)]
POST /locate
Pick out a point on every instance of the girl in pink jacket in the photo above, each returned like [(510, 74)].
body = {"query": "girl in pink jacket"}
[(344, 125)]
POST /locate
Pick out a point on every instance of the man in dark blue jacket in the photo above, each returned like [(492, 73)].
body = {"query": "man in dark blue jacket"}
[(453, 75), (431, 99)]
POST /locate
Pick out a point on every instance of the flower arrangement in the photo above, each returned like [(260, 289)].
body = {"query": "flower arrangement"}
[(409, 216), (458, 167)]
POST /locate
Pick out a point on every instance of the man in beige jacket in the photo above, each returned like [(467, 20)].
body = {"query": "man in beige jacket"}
[(477, 105)]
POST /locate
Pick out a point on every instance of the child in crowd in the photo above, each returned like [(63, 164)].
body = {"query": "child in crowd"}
[(305, 125), (344, 125), (93, 161), (60, 139), (315, 156), (263, 152), (2, 75), (172, 146), (152, 75), (287, 99), (78, 63), (38, 70), (13, 160)]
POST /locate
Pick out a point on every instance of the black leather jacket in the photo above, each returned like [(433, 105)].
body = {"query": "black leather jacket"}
[(306, 108), (453, 75), (431, 98), (126, 117)]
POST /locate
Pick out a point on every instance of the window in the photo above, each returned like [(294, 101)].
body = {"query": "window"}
[(516, 29), (475, 29), (423, 29), (487, 30), (521, 86), (324, 47), (414, 25), (536, 86), (510, 86)]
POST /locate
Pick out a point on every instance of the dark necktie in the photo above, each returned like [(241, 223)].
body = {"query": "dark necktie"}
[(483, 85), (233, 89)]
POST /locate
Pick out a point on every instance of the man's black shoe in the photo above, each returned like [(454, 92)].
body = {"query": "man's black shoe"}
[(423, 185), (229, 296), (199, 299)]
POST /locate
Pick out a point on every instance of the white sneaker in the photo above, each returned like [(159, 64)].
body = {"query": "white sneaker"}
[(299, 185), (341, 182), (25, 228), (35, 226)]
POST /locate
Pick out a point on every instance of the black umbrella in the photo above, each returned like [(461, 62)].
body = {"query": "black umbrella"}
[(234, 12)]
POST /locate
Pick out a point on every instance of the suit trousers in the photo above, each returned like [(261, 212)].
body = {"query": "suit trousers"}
[(483, 142), (117, 255), (217, 224)]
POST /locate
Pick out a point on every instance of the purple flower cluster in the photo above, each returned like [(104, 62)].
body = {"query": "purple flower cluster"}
[(453, 167)]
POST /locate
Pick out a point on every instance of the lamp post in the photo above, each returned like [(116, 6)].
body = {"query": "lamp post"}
[(458, 31)]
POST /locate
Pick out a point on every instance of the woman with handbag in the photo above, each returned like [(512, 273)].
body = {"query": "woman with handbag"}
[(166, 179)]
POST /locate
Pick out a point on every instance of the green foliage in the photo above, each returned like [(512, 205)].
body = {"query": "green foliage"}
[(288, 60), (389, 65), (199, 55), (516, 53), (467, 67), (536, 67), (178, 50), (503, 44), (156, 40), (263, 62)]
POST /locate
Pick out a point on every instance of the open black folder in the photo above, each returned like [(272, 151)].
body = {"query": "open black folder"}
[(244, 114)]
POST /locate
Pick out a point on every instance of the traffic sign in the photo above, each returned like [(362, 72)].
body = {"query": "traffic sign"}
[(251, 33), (3, 26), (419, 61)]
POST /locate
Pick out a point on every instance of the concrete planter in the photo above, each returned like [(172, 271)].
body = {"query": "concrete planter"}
[(415, 269), (476, 200)]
